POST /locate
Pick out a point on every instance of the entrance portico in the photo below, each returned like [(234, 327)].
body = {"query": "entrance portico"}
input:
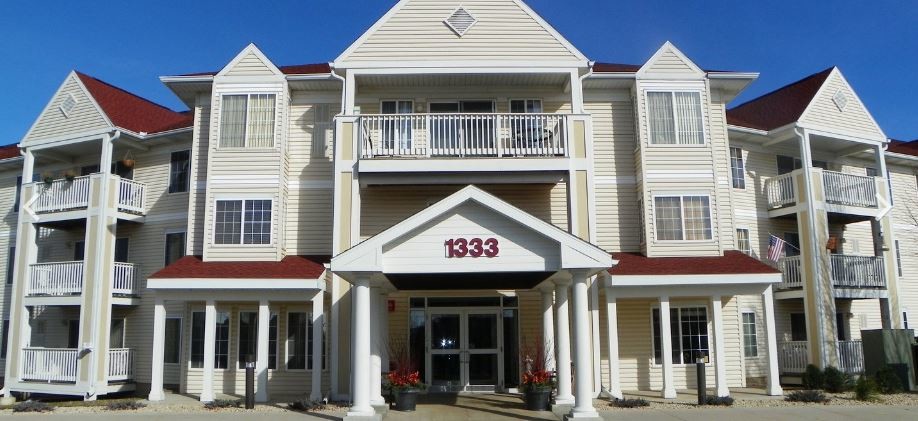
[(472, 240)]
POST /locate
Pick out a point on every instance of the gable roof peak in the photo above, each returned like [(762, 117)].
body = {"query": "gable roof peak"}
[(250, 49), (780, 107)]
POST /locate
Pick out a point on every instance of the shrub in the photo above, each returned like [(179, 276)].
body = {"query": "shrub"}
[(835, 380), (865, 389), (812, 396), (32, 406), (630, 403), (812, 378), (887, 381), (125, 405), (306, 405), (718, 401), (223, 403)]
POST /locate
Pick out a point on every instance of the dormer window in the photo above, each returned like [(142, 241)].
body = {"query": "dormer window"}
[(247, 121), (675, 118)]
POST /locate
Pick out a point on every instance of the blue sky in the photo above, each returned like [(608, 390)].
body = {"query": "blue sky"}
[(131, 43)]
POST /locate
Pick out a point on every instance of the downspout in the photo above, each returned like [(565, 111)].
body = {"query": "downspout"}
[(594, 286), (343, 86), (97, 297), (334, 371), (813, 246)]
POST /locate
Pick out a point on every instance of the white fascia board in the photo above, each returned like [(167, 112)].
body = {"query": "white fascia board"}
[(186, 79), (748, 130), (382, 165), (848, 135), (234, 283), (888, 154), (466, 67), (733, 75), (682, 280), (612, 75), (317, 76)]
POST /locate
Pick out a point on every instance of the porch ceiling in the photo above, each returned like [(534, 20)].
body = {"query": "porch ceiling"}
[(464, 80), (467, 281)]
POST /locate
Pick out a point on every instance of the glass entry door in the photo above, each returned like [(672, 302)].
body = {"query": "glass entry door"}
[(464, 352)]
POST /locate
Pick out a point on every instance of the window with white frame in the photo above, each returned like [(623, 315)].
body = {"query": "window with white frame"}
[(6, 336), (675, 118), (179, 169), (683, 218), (221, 340), (299, 341), (175, 247), (738, 168), (248, 337), (247, 121), (688, 333), (743, 243), (898, 259), (242, 221), (750, 338), (526, 106), (172, 347)]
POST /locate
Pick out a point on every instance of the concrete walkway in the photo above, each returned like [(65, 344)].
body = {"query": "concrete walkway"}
[(809, 413)]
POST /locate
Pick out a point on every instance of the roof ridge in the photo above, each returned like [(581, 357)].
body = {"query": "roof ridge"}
[(781, 88)]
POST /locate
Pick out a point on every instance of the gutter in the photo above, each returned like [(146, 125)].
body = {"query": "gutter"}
[(343, 86)]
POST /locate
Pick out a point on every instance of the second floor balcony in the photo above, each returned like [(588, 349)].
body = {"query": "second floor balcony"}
[(842, 193), (846, 272), (66, 279), (60, 365), (64, 194)]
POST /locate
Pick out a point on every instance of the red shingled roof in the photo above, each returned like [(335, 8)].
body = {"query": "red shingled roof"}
[(732, 262), (779, 107), (903, 147), (291, 267), (296, 69), (132, 112), (616, 68), (9, 151)]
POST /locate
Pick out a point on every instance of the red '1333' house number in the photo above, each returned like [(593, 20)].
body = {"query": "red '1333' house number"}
[(471, 247)]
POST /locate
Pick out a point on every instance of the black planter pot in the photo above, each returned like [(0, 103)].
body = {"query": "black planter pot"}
[(406, 400), (537, 400)]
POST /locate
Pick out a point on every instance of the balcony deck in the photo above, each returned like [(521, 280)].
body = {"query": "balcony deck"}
[(851, 276), (60, 365), (58, 197), (61, 283), (846, 194), (793, 357)]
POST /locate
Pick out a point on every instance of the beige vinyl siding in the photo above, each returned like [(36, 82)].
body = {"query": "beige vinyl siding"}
[(247, 173), (905, 223), (309, 210), (385, 206), (250, 65), (617, 212), (823, 112), (7, 237), (503, 31), (668, 62), (85, 116), (198, 177)]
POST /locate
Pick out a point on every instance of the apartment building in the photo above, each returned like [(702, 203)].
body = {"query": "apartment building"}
[(463, 182)]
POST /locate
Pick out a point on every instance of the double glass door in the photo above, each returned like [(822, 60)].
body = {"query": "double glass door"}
[(467, 127), (464, 350)]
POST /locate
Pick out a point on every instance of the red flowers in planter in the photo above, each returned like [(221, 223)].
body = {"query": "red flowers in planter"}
[(404, 380), (537, 379)]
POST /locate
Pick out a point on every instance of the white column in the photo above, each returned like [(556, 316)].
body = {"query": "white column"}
[(596, 364), (615, 384), (583, 361), (261, 365), (548, 327), (669, 389), (375, 350), (384, 330), (159, 339), (563, 339), (318, 326), (361, 339), (720, 349), (210, 330), (774, 381)]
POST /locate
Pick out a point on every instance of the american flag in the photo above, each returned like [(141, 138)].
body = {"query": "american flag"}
[(775, 248)]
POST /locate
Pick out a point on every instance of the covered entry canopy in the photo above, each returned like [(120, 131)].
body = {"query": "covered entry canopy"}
[(470, 240)]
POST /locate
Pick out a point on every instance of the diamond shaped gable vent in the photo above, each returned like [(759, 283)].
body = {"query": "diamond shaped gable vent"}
[(840, 100), (460, 21), (67, 105)]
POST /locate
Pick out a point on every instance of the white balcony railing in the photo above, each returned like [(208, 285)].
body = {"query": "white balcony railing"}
[(463, 135), (59, 365), (794, 356), (55, 279), (793, 278), (780, 190), (846, 272), (123, 279), (858, 271), (849, 190), (50, 365), (120, 364), (61, 195), (132, 196)]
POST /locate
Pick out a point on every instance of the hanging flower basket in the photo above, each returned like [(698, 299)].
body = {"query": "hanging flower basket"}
[(128, 160)]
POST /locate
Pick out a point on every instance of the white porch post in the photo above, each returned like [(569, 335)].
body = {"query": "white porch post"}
[(159, 338), (261, 365), (583, 361), (375, 349), (210, 331), (615, 384), (563, 339), (548, 327), (318, 324), (669, 389), (361, 360), (720, 359), (384, 330), (774, 381)]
